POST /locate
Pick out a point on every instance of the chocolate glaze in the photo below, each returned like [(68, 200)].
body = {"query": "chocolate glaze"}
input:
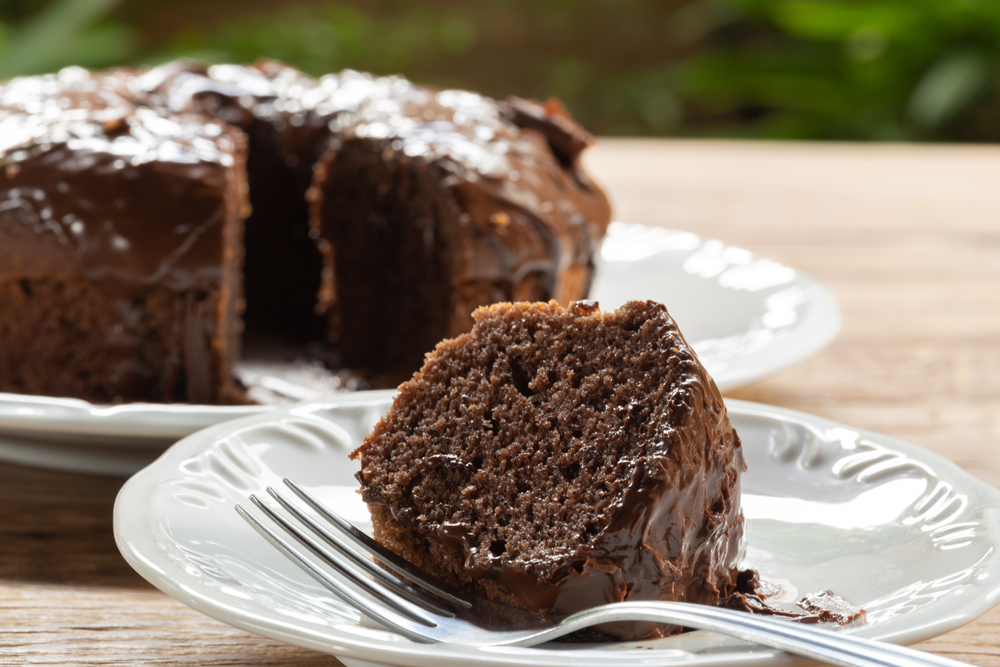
[(821, 607), (95, 187), (103, 183), (827, 607)]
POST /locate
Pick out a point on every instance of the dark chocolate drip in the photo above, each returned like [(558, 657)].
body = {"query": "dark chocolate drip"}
[(821, 607)]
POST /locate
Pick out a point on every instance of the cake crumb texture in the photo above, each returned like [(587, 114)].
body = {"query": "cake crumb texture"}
[(557, 458)]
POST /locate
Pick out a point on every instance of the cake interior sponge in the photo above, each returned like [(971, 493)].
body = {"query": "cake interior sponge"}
[(559, 458)]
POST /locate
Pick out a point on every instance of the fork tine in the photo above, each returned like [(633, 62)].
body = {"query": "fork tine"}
[(396, 607), (346, 594), (388, 558), (388, 579)]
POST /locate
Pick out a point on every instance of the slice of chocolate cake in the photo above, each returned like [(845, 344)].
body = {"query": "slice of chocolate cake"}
[(556, 459), (120, 244)]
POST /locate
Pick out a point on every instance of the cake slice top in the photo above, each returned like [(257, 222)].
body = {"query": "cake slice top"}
[(551, 440)]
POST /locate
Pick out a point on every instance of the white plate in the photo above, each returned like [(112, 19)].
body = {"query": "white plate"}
[(747, 317), (897, 529)]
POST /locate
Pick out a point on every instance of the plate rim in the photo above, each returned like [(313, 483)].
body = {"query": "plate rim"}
[(132, 504)]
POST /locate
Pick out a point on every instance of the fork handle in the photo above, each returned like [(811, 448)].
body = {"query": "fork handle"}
[(836, 648)]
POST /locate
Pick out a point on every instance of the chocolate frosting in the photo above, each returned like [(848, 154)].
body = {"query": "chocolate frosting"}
[(107, 190)]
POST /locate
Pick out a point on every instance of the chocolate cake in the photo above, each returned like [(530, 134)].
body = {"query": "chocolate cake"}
[(383, 213), (429, 203), (459, 202), (555, 459), (120, 244)]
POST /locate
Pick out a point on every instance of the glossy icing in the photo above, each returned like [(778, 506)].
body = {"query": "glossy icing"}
[(108, 190)]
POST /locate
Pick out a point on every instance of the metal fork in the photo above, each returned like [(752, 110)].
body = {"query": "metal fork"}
[(429, 610)]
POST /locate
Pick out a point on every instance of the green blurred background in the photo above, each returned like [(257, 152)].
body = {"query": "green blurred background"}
[(883, 70)]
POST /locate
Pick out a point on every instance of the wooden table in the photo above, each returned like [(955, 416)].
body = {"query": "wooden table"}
[(907, 237)]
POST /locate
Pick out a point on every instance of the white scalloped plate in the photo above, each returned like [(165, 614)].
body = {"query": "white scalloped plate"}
[(897, 529), (746, 317)]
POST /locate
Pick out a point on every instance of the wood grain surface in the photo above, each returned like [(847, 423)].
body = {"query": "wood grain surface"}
[(907, 238)]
